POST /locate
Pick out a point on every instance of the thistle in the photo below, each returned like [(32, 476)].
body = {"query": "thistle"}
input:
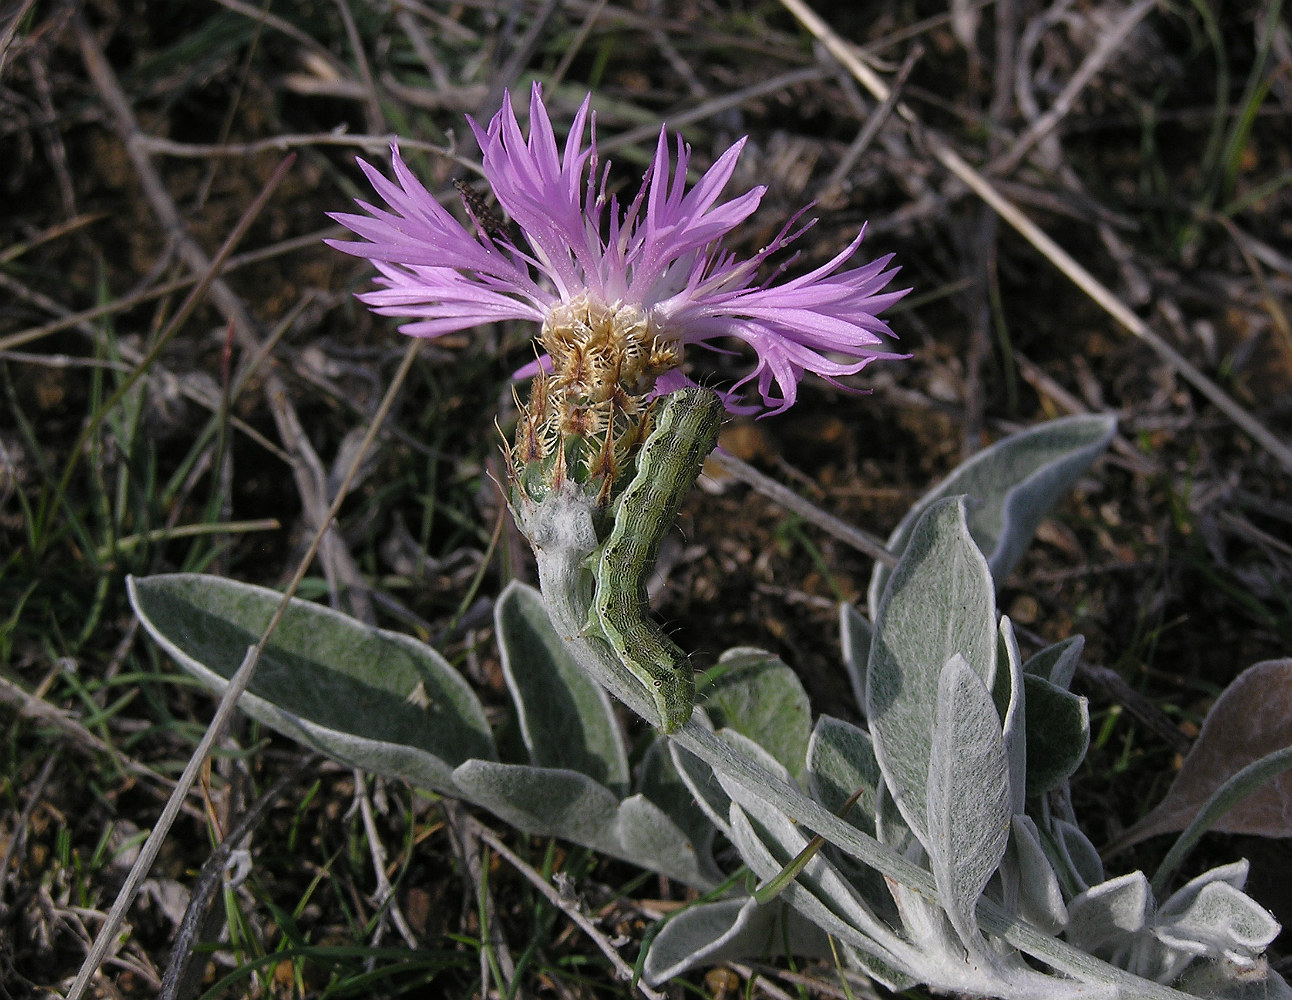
[(618, 291)]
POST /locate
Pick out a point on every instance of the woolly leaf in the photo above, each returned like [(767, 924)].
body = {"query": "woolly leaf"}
[(939, 603), (1011, 703), (969, 798), (1234, 923), (1058, 733), (730, 930), (840, 762), (1077, 857), (545, 801), (1233, 874), (702, 784), (371, 698), (1106, 916), (565, 716), (855, 633), (1218, 982), (1017, 481), (754, 693), (660, 782), (648, 837), (1040, 899), (705, 783), (1057, 663), (768, 840)]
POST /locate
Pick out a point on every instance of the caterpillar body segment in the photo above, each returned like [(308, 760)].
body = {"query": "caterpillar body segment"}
[(685, 431)]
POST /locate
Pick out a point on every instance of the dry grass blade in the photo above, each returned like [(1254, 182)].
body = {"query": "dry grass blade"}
[(10, 30), (875, 121), (178, 980), (32, 707), (385, 896), (791, 501), (1055, 254), (228, 702), (85, 317), (1109, 43), (495, 956), (716, 106), (569, 908)]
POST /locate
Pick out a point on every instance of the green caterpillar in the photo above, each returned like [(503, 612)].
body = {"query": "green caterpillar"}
[(685, 431)]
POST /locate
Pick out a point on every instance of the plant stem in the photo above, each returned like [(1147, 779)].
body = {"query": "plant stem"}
[(560, 528)]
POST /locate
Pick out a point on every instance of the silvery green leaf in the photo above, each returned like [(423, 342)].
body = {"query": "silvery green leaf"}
[(926, 925), (1213, 910), (891, 828), (939, 603), (648, 837), (855, 633), (1104, 919), (841, 760), (701, 782), (742, 744), (1057, 663), (659, 781), (371, 698), (713, 788), (1011, 703), (940, 959), (730, 930), (768, 840), (565, 716), (1089, 977), (1040, 900), (921, 919), (1078, 855), (555, 802), (1058, 733), (895, 980), (969, 798), (754, 693), (706, 785), (1233, 874), (1017, 480), (1226, 920), (544, 801)]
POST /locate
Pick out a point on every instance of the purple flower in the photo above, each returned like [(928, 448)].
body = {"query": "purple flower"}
[(656, 266)]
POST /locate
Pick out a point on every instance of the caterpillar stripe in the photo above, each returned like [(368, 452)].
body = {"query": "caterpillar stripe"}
[(685, 431)]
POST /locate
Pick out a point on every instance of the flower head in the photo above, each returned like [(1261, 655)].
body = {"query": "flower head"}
[(618, 291)]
